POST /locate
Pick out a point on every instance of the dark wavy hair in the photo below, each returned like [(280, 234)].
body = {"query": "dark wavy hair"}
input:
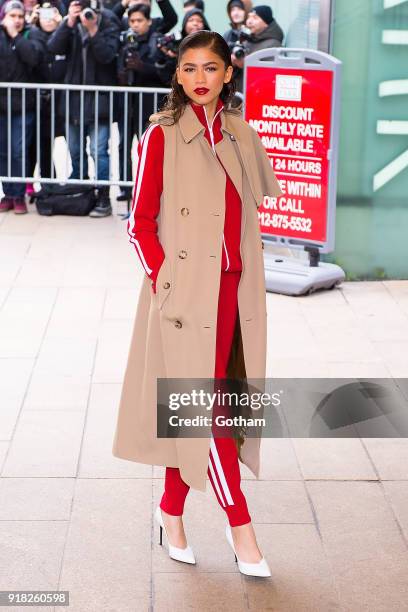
[(177, 100)]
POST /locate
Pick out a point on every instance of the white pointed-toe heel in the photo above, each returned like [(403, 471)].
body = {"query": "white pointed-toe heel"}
[(260, 569), (185, 555)]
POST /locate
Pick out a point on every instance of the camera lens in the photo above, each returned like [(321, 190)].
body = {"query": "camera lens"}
[(88, 13), (238, 51)]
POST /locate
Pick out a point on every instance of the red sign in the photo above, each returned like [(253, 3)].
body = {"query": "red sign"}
[(291, 111)]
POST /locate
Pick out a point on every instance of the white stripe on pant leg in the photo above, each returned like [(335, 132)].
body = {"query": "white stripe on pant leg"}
[(220, 471), (215, 482)]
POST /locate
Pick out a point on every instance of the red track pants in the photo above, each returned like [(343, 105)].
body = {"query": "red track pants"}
[(223, 466)]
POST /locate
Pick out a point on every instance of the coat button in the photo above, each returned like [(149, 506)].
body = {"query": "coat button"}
[(232, 137), (166, 285), (183, 254), (185, 212), (178, 324)]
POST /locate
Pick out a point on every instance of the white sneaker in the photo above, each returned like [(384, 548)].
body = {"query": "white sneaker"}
[(260, 569), (179, 554)]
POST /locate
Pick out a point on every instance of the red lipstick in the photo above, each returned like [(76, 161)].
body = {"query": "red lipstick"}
[(201, 91)]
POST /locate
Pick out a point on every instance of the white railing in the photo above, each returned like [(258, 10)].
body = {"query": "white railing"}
[(60, 97)]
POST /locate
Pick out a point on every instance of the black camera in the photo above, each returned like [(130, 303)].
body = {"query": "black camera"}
[(170, 42), (131, 43), (238, 48), (90, 8)]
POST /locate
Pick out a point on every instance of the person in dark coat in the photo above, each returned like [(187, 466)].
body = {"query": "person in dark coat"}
[(236, 36), (91, 47), (20, 51), (138, 66), (159, 24), (51, 69), (237, 15), (265, 33), (193, 21)]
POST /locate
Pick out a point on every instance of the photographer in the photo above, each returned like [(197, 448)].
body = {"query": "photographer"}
[(159, 24), (139, 53), (20, 51), (140, 64), (45, 19), (264, 34), (89, 37)]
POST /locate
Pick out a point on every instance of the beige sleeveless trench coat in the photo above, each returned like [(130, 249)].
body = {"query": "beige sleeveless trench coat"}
[(174, 334)]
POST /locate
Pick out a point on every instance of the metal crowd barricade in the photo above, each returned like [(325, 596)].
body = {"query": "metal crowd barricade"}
[(114, 96)]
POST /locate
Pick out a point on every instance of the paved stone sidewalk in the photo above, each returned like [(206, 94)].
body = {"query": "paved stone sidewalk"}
[(331, 515)]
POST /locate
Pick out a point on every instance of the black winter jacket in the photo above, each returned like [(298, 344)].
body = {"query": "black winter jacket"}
[(90, 61), (18, 57), (232, 35), (53, 67), (155, 71)]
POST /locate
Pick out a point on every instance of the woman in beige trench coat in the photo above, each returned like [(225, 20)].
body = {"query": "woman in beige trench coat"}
[(175, 330)]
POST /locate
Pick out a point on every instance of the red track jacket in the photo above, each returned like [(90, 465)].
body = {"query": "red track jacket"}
[(142, 225)]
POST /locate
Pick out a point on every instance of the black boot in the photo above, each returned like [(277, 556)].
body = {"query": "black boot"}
[(125, 194), (103, 206)]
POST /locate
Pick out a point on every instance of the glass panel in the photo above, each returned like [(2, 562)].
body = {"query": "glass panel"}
[(299, 19), (372, 207)]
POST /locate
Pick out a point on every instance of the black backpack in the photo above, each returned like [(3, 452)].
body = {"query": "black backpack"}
[(65, 199)]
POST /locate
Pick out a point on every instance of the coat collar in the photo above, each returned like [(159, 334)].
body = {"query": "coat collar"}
[(191, 126)]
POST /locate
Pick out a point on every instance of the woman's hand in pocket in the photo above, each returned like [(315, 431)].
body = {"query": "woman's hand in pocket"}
[(155, 276)]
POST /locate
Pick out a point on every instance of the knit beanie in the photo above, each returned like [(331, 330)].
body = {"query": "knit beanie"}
[(13, 5), (264, 12)]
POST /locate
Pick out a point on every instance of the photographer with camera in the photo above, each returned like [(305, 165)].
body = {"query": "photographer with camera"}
[(140, 64), (159, 24), (89, 37), (139, 53), (264, 34), (44, 20), (20, 51)]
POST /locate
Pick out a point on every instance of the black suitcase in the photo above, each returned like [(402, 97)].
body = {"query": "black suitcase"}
[(65, 199)]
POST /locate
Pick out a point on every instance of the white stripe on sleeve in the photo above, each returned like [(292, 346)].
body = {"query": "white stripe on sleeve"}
[(142, 164)]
